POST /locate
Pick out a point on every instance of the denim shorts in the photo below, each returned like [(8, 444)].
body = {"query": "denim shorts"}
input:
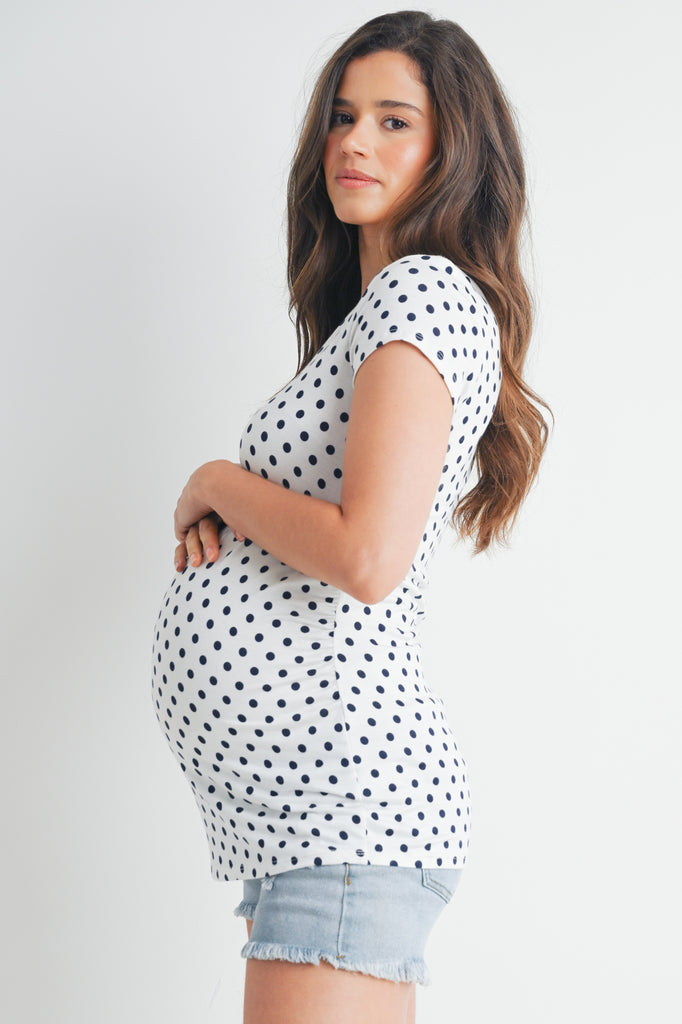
[(369, 918)]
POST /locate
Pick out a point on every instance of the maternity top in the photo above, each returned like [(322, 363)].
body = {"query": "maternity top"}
[(299, 715)]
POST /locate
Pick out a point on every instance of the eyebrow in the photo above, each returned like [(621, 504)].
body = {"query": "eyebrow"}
[(392, 104)]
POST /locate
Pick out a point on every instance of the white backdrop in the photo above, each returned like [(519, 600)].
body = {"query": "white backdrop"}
[(145, 149)]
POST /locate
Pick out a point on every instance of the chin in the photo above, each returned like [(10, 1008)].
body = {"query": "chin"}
[(349, 213)]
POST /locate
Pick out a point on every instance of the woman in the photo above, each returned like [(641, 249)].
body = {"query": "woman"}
[(287, 669)]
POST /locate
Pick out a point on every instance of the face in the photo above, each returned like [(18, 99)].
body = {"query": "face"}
[(381, 138)]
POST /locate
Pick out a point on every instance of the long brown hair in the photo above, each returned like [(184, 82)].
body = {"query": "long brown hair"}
[(469, 207)]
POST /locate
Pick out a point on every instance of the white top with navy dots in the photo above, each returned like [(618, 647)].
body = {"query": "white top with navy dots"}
[(299, 715)]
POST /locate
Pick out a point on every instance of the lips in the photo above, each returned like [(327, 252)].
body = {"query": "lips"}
[(354, 180), (356, 175)]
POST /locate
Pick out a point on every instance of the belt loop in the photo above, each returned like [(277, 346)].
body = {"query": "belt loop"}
[(347, 874)]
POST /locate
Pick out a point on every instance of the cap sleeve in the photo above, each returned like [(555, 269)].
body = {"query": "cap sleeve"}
[(431, 303)]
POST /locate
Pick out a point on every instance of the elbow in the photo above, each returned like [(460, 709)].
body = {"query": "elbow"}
[(373, 579)]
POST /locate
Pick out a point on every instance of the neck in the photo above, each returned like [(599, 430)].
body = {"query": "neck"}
[(373, 257)]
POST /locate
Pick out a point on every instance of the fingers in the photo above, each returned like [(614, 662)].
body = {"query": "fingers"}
[(208, 535), (193, 545), (201, 539), (180, 556)]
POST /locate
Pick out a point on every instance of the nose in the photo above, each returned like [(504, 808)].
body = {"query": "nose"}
[(356, 140)]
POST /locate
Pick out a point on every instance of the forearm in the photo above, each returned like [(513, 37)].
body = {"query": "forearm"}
[(309, 534)]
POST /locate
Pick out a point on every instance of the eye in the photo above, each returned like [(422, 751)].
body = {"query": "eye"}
[(397, 122), (338, 118)]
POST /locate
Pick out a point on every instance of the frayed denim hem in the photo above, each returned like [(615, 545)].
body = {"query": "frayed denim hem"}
[(409, 970), (245, 909)]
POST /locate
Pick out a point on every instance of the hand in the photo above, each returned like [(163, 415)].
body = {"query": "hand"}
[(196, 525), (201, 539)]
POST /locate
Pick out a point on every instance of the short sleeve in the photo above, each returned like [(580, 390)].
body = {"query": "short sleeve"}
[(431, 303)]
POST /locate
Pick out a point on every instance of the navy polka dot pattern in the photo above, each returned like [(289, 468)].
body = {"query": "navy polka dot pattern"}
[(300, 716)]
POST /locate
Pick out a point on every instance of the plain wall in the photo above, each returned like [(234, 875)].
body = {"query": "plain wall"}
[(143, 316)]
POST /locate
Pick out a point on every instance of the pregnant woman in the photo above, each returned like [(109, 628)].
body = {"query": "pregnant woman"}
[(287, 658)]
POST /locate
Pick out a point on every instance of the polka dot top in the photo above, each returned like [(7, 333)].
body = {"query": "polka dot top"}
[(299, 715)]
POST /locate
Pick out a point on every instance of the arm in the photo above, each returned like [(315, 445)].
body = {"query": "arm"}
[(396, 442)]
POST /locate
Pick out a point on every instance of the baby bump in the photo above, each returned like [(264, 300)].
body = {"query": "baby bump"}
[(244, 641)]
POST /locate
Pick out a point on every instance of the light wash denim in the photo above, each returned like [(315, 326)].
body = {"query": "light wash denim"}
[(369, 918)]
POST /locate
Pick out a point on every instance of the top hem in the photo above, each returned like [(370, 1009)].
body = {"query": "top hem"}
[(428, 863)]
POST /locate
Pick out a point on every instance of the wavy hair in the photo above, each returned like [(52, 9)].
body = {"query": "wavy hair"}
[(470, 207)]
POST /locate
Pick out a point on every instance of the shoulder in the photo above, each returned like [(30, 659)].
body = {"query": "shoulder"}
[(418, 271), (430, 292), (434, 305), (425, 285)]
